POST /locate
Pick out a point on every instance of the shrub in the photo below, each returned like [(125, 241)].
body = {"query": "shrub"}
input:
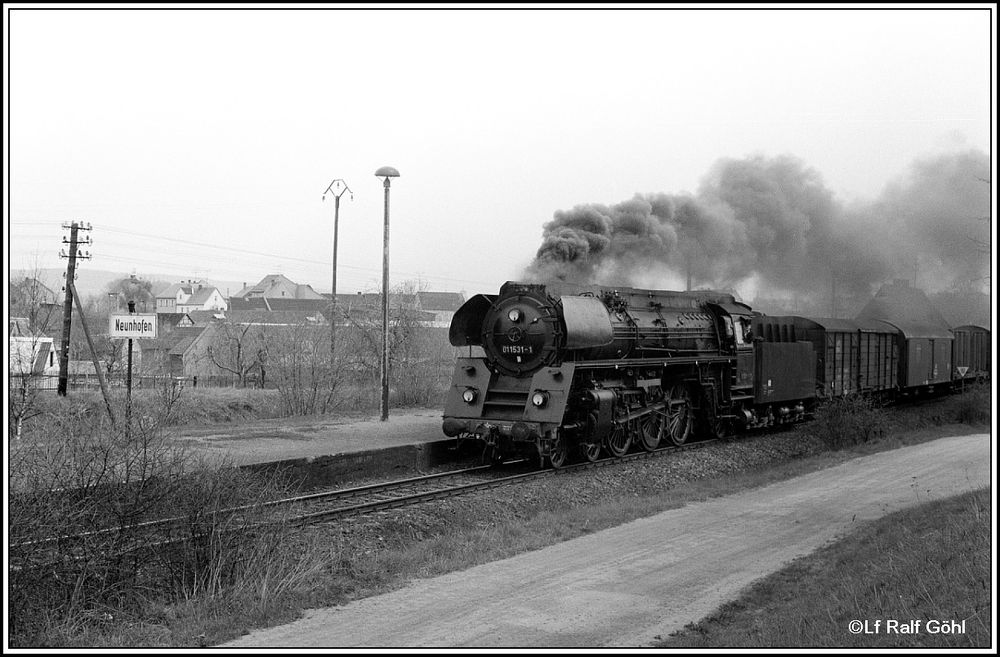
[(88, 484), (974, 404), (846, 421)]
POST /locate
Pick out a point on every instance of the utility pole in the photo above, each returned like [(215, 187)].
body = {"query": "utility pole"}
[(385, 173), (128, 380), (68, 303), (335, 189)]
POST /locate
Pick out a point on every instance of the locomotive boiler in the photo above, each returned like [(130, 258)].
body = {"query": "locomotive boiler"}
[(557, 370)]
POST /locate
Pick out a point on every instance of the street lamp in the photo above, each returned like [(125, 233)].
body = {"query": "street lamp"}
[(335, 189), (385, 173)]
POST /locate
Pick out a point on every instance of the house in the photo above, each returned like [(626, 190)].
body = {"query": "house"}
[(181, 352), (31, 355), (188, 296), (31, 291), (167, 322), (256, 317), (277, 286), (442, 304), (32, 299)]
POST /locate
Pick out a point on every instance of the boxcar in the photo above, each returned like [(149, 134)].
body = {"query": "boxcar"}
[(851, 356), (971, 351), (925, 355)]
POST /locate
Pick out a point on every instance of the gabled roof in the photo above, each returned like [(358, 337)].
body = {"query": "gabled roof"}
[(450, 301), (178, 340), (200, 297), (42, 356), (170, 319), (279, 303), (203, 317), (276, 318), (171, 292), (270, 285)]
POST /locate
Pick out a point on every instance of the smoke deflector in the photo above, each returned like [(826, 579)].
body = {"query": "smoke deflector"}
[(587, 322)]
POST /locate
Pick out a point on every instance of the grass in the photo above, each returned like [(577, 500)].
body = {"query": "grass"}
[(929, 564), (333, 564), (206, 406)]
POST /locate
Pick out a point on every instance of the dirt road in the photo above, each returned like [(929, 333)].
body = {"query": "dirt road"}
[(626, 585)]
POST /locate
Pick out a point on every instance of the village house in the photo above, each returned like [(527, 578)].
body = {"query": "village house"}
[(188, 296), (277, 292), (31, 355)]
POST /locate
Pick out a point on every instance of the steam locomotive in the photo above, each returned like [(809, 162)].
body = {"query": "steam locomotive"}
[(558, 371)]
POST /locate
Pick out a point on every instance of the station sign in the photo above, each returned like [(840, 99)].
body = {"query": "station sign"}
[(132, 326)]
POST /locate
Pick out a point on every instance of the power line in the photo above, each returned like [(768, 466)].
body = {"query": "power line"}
[(278, 258)]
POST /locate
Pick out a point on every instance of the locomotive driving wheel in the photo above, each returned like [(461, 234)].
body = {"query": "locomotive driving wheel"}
[(679, 416), (558, 453), (618, 440), (590, 451), (650, 430)]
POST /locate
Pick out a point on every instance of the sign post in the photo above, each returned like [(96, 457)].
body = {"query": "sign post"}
[(961, 373), (131, 327)]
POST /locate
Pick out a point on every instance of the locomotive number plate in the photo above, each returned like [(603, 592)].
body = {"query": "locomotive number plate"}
[(517, 349)]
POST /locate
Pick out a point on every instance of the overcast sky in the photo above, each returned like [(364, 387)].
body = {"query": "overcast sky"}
[(175, 132)]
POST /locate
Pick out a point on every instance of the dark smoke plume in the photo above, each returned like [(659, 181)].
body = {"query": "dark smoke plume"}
[(773, 223)]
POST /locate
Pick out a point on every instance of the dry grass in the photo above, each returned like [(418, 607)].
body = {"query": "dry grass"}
[(929, 563), (272, 581)]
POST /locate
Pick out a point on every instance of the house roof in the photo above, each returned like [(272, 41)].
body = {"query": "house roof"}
[(203, 317), (171, 292), (178, 340), (279, 303), (33, 288), (42, 356), (450, 301), (200, 297), (272, 286), (279, 318)]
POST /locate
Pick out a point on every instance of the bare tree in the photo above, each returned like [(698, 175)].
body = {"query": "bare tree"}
[(34, 312), (239, 349), (295, 357)]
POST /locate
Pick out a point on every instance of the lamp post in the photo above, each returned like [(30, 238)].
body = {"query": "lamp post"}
[(335, 189), (385, 173)]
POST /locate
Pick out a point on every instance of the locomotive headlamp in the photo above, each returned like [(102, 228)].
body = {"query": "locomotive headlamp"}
[(514, 315), (539, 399), (470, 394)]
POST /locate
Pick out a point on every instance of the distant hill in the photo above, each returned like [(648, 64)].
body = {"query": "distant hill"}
[(90, 282)]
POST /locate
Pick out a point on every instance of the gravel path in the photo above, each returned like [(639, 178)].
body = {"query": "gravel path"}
[(628, 585)]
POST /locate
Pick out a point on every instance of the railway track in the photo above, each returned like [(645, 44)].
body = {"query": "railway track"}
[(324, 506), (328, 505)]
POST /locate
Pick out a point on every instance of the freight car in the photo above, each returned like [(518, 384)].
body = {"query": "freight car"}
[(555, 371), (971, 353)]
